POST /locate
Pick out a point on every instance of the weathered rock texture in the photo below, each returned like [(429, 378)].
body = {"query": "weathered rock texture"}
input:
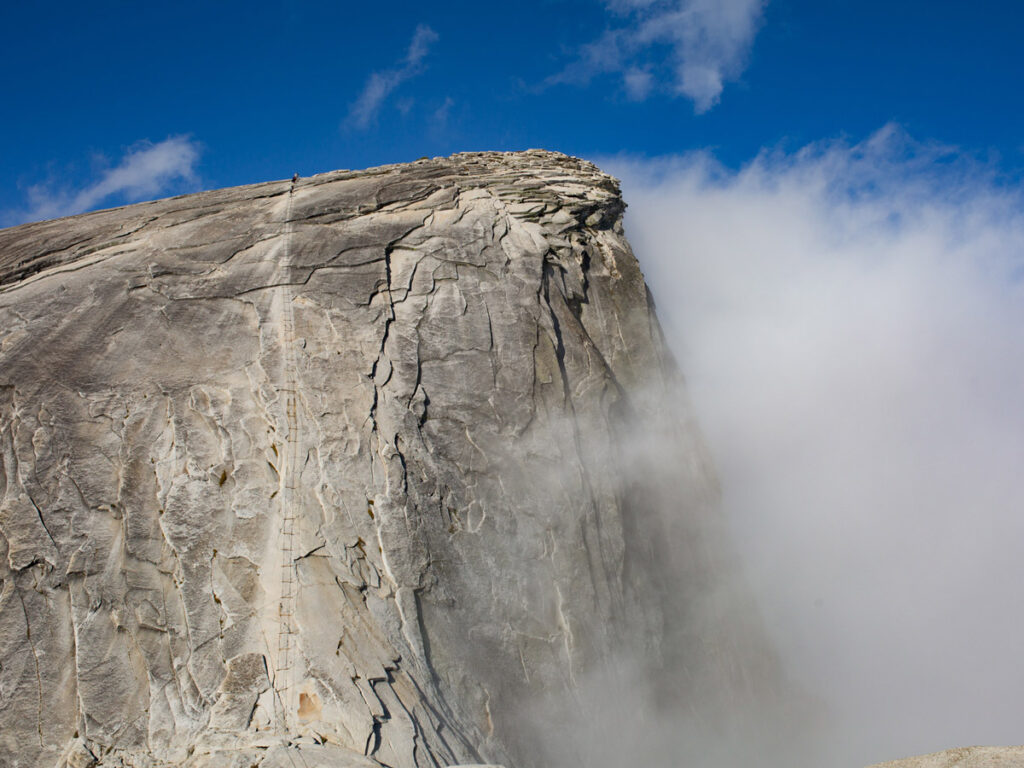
[(342, 464), (969, 757)]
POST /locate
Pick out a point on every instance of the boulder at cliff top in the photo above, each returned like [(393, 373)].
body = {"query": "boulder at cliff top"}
[(345, 466)]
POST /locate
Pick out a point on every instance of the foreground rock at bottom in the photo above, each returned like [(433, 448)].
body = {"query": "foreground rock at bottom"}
[(967, 757), (284, 755)]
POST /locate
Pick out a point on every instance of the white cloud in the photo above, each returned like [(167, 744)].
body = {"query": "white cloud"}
[(381, 84), (707, 41), (638, 83), (443, 113), (145, 171), (851, 322)]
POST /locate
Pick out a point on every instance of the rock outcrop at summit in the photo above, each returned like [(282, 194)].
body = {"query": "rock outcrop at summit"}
[(344, 468)]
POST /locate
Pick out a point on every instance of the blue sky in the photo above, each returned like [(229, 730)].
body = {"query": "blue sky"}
[(261, 89)]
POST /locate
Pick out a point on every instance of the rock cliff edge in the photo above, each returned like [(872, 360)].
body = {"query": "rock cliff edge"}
[(341, 470)]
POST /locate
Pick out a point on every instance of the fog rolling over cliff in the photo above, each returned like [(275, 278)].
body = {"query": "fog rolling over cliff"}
[(850, 319), (377, 468)]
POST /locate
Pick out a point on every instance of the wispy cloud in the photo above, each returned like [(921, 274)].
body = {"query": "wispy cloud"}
[(849, 320), (381, 84), (707, 44), (443, 113), (638, 83), (145, 171)]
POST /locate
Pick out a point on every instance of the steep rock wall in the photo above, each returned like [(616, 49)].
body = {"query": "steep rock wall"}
[(344, 464)]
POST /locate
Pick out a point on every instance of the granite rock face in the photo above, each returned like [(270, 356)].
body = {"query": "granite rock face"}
[(968, 757), (341, 467)]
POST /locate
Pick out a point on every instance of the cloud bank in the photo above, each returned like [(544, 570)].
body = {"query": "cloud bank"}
[(694, 46), (850, 318), (144, 172), (381, 84)]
